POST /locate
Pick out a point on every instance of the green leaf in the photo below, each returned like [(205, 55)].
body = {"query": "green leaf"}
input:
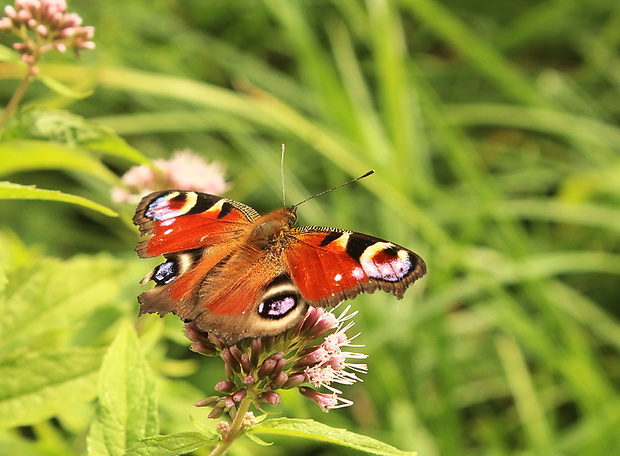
[(127, 409), (204, 428), (8, 54), (63, 127), (19, 155), (51, 299), (38, 385), (256, 439), (9, 190), (62, 89), (170, 445), (313, 430)]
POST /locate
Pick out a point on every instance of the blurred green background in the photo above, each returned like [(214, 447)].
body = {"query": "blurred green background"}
[(493, 128)]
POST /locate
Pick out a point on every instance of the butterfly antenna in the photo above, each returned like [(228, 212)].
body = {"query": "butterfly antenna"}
[(282, 174), (336, 187)]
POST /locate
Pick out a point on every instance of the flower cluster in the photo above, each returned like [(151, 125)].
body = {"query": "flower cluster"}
[(257, 368), (45, 25), (184, 171)]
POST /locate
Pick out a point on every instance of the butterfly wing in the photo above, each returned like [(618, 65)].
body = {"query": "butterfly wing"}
[(176, 221), (194, 232), (329, 266), (219, 271), (255, 299)]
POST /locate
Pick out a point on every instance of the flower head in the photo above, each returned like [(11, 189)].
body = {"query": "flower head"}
[(258, 368), (324, 400), (184, 171), (327, 363), (45, 25)]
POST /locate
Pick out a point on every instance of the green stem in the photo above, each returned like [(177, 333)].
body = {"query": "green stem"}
[(16, 98), (236, 429)]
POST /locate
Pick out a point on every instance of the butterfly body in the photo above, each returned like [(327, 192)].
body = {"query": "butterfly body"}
[(239, 274)]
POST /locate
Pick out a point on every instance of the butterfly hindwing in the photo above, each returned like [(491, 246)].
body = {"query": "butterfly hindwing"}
[(329, 265), (249, 306)]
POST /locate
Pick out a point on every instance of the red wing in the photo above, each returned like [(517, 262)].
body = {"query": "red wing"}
[(194, 232), (243, 295), (329, 266), (251, 297), (219, 270), (178, 221)]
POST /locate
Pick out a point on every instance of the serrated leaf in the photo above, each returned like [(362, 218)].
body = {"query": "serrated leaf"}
[(127, 409), (9, 190), (209, 432), (38, 385), (256, 439), (170, 445), (54, 297), (68, 129), (313, 430)]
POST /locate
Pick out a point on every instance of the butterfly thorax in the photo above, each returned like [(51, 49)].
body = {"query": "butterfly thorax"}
[(269, 229)]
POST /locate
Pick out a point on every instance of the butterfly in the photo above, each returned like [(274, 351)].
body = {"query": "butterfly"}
[(238, 274)]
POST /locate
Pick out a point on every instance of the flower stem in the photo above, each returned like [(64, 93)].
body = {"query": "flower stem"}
[(16, 98), (236, 429)]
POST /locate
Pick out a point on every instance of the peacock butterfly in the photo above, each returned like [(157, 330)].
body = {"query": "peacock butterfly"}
[(238, 274)]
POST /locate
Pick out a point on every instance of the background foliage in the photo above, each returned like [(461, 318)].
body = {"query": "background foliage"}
[(493, 130)]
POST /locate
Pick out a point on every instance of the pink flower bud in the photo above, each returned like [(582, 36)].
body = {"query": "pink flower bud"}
[(278, 381), (236, 352), (270, 398), (10, 12), (23, 16), (239, 395), (256, 349), (72, 20), (294, 381), (88, 31), (6, 25), (67, 32), (245, 363), (230, 360), (225, 386), (229, 402), (280, 364), (266, 368)]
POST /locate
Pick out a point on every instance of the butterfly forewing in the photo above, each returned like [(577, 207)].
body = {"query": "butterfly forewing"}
[(179, 221), (330, 266)]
